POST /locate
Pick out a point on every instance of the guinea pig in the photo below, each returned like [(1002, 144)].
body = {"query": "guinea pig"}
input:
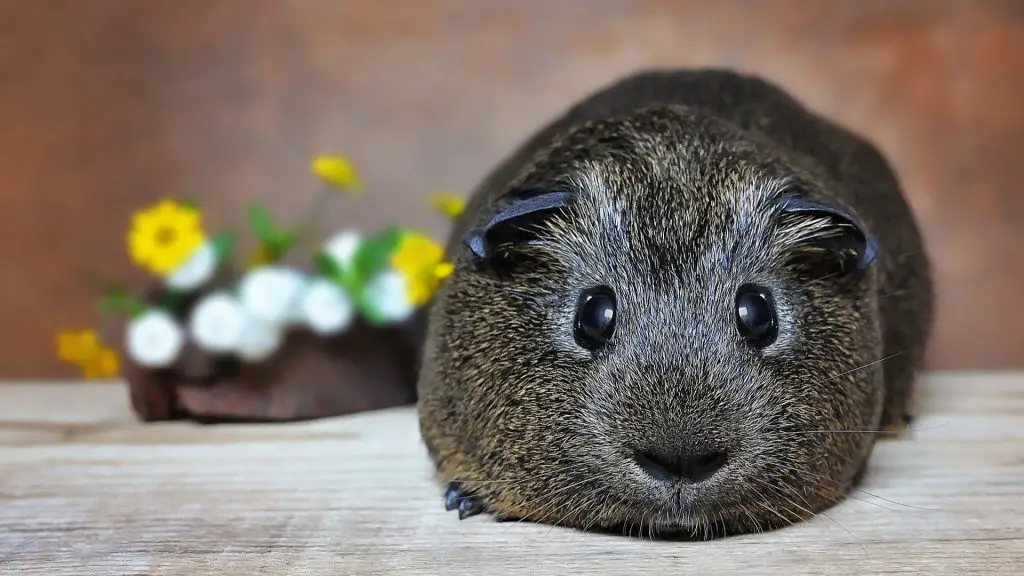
[(688, 304)]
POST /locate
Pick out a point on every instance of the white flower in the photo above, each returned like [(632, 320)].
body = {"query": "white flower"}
[(325, 308), (154, 339), (217, 322), (342, 247), (197, 270), (259, 340), (271, 294), (386, 293)]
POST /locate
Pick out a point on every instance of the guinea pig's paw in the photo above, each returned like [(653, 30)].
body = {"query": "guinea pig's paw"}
[(898, 427), (455, 497)]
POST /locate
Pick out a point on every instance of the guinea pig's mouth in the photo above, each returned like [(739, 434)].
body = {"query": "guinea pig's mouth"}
[(708, 521), (740, 501), (677, 512), (696, 495), (678, 527)]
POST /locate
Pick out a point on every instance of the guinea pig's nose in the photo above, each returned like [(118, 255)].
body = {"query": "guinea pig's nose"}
[(686, 465)]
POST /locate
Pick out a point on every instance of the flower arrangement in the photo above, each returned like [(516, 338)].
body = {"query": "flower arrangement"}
[(381, 278)]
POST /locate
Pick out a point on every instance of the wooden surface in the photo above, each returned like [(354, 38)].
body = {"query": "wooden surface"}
[(86, 490), (104, 106)]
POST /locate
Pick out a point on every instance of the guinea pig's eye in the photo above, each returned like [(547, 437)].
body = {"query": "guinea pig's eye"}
[(755, 315), (595, 317)]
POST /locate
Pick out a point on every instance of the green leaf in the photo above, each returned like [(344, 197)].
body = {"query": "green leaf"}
[(262, 225), (137, 309), (279, 245), (275, 241), (190, 203), (120, 303), (110, 305), (223, 244), (370, 313), (327, 267), (374, 253)]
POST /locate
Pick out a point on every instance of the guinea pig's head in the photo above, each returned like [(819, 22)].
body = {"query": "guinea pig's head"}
[(663, 322)]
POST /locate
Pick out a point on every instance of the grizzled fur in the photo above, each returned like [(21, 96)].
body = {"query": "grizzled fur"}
[(676, 179)]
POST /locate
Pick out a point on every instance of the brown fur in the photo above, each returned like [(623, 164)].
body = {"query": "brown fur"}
[(678, 174)]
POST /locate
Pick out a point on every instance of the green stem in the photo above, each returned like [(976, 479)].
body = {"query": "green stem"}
[(105, 329), (304, 231)]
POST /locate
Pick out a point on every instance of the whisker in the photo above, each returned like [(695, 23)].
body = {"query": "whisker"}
[(816, 481), (708, 529), (895, 502), (767, 506), (821, 478), (550, 496), (783, 495), (586, 502), (753, 519), (723, 524), (869, 364), (699, 526), (761, 496), (788, 494), (839, 431), (594, 518)]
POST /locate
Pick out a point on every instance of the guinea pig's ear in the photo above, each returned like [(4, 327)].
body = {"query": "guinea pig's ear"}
[(516, 221), (820, 233)]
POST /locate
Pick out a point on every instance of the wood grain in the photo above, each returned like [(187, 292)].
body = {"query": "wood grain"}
[(86, 490), (106, 106)]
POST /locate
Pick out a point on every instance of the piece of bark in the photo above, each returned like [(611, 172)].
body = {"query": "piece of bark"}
[(311, 377), (152, 393), (197, 365)]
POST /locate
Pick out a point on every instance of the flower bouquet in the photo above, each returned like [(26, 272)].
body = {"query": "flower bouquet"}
[(276, 340)]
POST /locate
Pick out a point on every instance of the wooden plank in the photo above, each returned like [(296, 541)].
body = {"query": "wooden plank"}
[(84, 489)]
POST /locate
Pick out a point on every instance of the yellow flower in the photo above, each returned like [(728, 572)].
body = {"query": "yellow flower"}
[(83, 349), (419, 260), (76, 347), (163, 236), (449, 205), (336, 171), (103, 365), (443, 270)]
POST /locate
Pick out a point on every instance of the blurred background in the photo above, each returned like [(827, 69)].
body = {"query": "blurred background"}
[(107, 105)]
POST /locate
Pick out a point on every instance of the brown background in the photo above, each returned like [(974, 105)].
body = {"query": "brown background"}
[(106, 105)]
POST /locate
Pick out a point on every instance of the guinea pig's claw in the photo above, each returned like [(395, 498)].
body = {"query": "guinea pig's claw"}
[(898, 427), (467, 505), (451, 497)]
